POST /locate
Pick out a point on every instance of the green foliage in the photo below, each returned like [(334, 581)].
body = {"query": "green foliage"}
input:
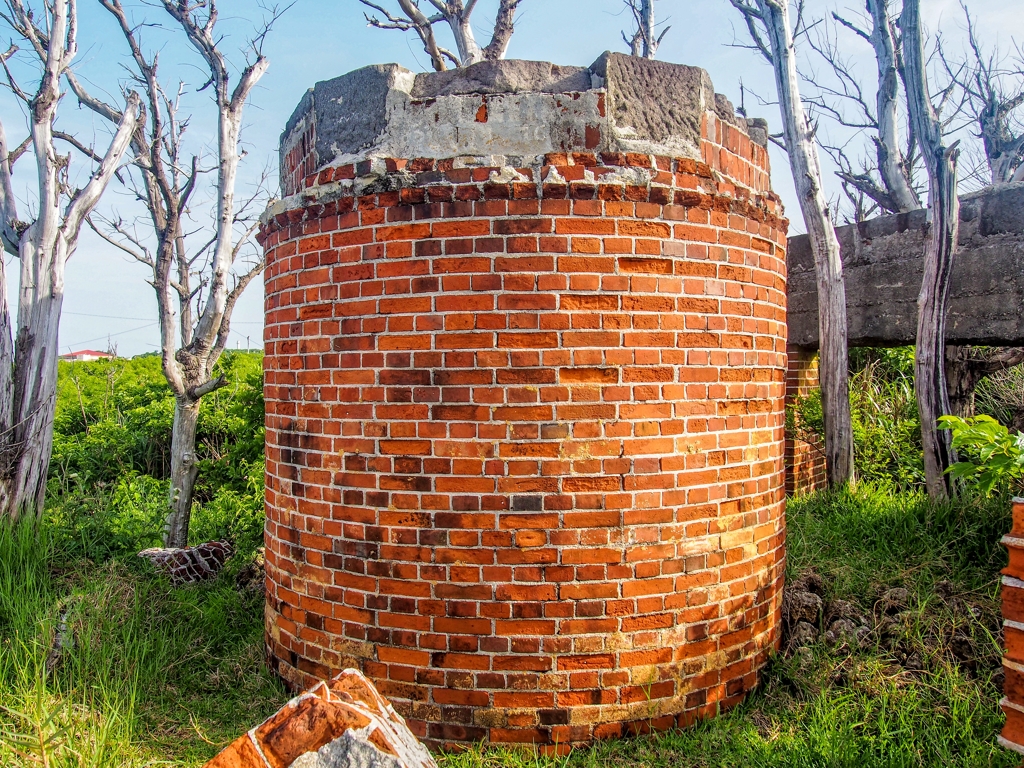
[(153, 675), (112, 416), (233, 515), (993, 457), (889, 362), (111, 519), (883, 411), (886, 427), (108, 481)]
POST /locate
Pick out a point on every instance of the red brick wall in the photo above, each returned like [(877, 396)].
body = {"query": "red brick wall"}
[(1012, 703), (525, 443), (805, 451)]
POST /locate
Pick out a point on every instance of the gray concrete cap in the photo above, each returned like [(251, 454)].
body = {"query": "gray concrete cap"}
[(508, 108), (654, 103), (505, 76)]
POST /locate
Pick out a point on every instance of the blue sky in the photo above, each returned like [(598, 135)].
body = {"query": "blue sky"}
[(107, 298)]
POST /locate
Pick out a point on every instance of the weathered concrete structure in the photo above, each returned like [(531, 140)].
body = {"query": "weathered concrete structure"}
[(525, 357), (883, 259)]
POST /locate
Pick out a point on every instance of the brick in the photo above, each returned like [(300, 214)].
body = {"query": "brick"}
[(494, 423)]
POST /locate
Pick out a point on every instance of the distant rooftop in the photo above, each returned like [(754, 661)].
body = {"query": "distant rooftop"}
[(86, 355)]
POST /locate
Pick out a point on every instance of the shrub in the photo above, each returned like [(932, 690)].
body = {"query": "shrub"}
[(886, 429), (994, 458)]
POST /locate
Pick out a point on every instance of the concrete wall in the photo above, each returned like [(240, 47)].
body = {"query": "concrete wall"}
[(883, 257)]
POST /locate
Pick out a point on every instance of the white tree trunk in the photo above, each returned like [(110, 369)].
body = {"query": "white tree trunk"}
[(944, 210), (188, 362), (28, 384), (28, 436), (184, 471), (465, 40), (828, 266), (890, 153)]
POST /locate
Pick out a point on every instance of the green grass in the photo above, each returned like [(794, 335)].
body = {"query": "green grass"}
[(165, 676), (156, 675)]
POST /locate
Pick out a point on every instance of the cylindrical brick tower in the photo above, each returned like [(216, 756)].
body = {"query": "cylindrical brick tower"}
[(525, 361)]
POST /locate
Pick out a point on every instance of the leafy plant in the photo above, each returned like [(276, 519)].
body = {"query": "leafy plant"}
[(994, 457)]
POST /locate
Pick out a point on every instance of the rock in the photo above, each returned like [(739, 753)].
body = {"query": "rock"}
[(805, 657), (886, 627), (895, 600), (842, 631), (801, 606), (962, 647), (966, 610), (189, 564), (803, 634), (809, 581), (347, 751), (944, 589), (844, 609), (913, 662), (343, 723)]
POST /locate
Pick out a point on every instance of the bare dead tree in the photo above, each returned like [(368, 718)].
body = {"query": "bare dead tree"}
[(645, 40), (944, 207), (768, 23), (456, 14), (197, 286), (887, 178), (894, 164), (28, 359), (994, 95)]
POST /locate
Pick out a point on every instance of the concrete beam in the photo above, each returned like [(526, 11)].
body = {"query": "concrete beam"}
[(882, 260)]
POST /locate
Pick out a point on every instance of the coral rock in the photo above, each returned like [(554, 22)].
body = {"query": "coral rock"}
[(803, 634), (343, 723), (802, 606)]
